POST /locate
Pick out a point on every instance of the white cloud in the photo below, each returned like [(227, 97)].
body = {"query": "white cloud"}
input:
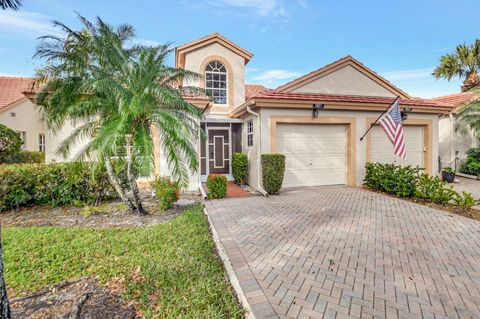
[(146, 42), (273, 75), (260, 7), (34, 23), (414, 74)]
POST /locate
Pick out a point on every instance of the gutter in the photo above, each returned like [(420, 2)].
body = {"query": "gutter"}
[(260, 188)]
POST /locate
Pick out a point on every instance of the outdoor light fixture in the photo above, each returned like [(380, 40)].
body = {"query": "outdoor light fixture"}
[(316, 108), (405, 113)]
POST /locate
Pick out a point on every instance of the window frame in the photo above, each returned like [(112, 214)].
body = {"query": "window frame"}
[(250, 131), (216, 73), (23, 137), (41, 142)]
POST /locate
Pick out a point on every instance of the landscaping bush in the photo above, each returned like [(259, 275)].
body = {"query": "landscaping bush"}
[(10, 143), (273, 171), (472, 164), (240, 168), (28, 157), (411, 182), (52, 184), (217, 186), (392, 179), (166, 191)]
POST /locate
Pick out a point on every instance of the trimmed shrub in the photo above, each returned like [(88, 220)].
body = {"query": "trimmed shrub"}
[(273, 171), (10, 143), (53, 184), (412, 182), (166, 191), (472, 164), (392, 179), (28, 157), (217, 186), (240, 168)]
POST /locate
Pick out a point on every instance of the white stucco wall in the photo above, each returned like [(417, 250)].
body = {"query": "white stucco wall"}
[(194, 61), (361, 119), (27, 119), (346, 81), (451, 140)]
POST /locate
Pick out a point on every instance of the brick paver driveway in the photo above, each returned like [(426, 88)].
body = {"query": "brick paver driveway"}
[(346, 252)]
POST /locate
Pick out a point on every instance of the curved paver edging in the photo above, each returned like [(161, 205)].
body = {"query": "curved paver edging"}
[(246, 287)]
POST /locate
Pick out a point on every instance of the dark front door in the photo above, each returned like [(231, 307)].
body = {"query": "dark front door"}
[(219, 151)]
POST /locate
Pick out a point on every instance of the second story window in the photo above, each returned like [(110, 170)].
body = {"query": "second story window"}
[(216, 82)]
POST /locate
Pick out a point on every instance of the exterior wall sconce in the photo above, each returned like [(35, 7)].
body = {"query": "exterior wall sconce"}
[(316, 109), (13, 114), (405, 113)]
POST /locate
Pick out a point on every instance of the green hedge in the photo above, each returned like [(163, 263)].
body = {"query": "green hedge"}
[(217, 186), (240, 168), (166, 191), (28, 157), (472, 164), (273, 171), (52, 184), (410, 181)]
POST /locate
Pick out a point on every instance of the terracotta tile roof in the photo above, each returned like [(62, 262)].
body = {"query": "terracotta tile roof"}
[(11, 89), (457, 99), (272, 94), (253, 89)]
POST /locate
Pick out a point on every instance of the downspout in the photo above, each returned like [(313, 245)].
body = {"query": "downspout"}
[(258, 141)]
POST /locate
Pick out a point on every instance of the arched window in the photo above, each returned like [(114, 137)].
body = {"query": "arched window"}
[(216, 82)]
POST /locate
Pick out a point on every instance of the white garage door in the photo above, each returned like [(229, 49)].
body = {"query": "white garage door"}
[(315, 154), (381, 149)]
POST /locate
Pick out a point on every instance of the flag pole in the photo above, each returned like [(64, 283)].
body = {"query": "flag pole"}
[(361, 138)]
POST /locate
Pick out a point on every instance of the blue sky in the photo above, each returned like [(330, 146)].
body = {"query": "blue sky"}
[(401, 40)]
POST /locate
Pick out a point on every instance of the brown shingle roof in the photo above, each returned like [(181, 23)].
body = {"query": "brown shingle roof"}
[(11, 89)]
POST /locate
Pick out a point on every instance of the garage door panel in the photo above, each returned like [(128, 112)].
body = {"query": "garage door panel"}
[(315, 154), (381, 149)]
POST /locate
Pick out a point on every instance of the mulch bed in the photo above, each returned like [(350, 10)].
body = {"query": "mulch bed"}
[(471, 213), (83, 298), (109, 214)]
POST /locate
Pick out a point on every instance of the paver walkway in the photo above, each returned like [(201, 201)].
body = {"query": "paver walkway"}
[(341, 252)]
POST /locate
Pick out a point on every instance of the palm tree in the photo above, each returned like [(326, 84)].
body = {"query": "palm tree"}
[(470, 114), (464, 62), (10, 4), (115, 95)]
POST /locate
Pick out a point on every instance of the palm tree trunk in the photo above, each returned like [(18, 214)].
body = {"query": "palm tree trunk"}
[(133, 186), (4, 304), (116, 185)]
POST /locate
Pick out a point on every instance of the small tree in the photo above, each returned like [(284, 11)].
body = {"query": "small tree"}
[(10, 144)]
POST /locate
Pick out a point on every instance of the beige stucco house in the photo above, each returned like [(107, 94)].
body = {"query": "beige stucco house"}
[(455, 137), (316, 120), (20, 114)]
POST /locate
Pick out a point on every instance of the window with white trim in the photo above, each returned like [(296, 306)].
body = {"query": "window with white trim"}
[(216, 82), (250, 133), (41, 142), (23, 137)]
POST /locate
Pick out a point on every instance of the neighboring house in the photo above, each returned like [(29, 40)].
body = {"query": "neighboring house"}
[(320, 150), (454, 135), (20, 114)]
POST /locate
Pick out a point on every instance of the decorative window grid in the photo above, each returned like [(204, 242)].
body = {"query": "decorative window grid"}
[(216, 82)]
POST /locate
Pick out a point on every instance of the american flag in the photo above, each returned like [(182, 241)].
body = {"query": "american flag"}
[(391, 122)]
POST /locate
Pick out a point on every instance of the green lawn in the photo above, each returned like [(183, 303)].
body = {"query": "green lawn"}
[(180, 274)]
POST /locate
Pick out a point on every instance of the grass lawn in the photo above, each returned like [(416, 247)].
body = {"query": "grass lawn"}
[(170, 270)]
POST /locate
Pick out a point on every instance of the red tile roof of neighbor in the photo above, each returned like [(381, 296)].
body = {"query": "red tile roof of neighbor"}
[(253, 89), (11, 89), (457, 99)]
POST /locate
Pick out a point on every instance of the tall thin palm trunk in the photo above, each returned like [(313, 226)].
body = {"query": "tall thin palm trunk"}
[(4, 304)]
